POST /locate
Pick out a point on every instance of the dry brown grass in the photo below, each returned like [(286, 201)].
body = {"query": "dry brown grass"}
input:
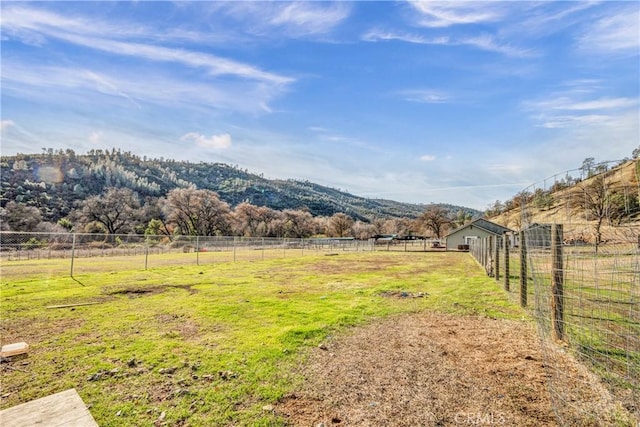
[(434, 369)]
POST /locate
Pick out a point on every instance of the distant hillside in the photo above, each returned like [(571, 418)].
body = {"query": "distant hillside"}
[(609, 195), (54, 180)]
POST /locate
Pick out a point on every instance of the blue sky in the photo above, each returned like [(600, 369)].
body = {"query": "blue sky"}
[(452, 102)]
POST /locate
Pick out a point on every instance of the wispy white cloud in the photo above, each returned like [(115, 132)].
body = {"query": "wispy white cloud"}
[(289, 19), (376, 35), (582, 109), (427, 158), (80, 85), (484, 42), (317, 129), (539, 19), (6, 124), (215, 65), (425, 96), (310, 17), (570, 104), (614, 34), (568, 121), (221, 141), (492, 44), (439, 14), (104, 37)]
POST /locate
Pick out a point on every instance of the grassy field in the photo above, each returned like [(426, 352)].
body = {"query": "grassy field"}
[(211, 345)]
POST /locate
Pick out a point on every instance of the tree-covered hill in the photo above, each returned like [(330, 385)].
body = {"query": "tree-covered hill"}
[(54, 181)]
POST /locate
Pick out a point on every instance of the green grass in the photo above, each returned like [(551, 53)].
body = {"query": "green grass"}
[(210, 345)]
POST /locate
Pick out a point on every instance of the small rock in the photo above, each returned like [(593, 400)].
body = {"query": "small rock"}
[(162, 416), (227, 375), (132, 363), (168, 371), (118, 413), (323, 346), (181, 392), (268, 408), (94, 377)]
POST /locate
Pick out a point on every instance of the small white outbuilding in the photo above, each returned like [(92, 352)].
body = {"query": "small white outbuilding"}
[(459, 239)]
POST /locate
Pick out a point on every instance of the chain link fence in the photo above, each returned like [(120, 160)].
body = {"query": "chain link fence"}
[(144, 252)]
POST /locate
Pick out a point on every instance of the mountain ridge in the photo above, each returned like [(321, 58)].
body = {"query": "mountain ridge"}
[(54, 181)]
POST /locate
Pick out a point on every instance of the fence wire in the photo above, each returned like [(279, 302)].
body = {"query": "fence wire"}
[(587, 262), (144, 252), (579, 233)]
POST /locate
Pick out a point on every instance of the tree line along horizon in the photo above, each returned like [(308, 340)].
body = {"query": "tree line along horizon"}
[(194, 212), (190, 211), (114, 191)]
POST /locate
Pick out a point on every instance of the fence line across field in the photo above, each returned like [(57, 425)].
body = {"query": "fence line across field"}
[(21, 246), (575, 265)]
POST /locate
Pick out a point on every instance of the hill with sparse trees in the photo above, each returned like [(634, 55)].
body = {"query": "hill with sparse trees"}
[(594, 203), (70, 190)]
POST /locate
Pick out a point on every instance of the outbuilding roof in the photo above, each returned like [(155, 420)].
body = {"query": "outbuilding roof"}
[(486, 225)]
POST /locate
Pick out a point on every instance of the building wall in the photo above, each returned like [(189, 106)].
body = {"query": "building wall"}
[(458, 237)]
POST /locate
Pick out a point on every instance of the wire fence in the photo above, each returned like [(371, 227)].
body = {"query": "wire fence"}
[(131, 251), (580, 275), (145, 252)]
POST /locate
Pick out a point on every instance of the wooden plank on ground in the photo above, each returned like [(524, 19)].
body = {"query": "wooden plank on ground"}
[(14, 349), (61, 409), (74, 305)]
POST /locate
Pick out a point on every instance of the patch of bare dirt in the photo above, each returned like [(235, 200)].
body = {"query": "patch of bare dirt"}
[(178, 325), (138, 291), (431, 370), (34, 331)]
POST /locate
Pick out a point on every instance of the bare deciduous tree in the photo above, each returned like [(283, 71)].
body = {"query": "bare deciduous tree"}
[(198, 212), (340, 225), (20, 217), (595, 199), (435, 219), (253, 221), (297, 223), (116, 210)]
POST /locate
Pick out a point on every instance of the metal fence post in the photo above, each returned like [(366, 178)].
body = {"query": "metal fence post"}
[(146, 252), (197, 250), (557, 282), (73, 252), (497, 257), (523, 270), (490, 261), (506, 262)]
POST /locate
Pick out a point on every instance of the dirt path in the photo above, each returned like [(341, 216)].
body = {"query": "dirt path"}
[(433, 370)]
